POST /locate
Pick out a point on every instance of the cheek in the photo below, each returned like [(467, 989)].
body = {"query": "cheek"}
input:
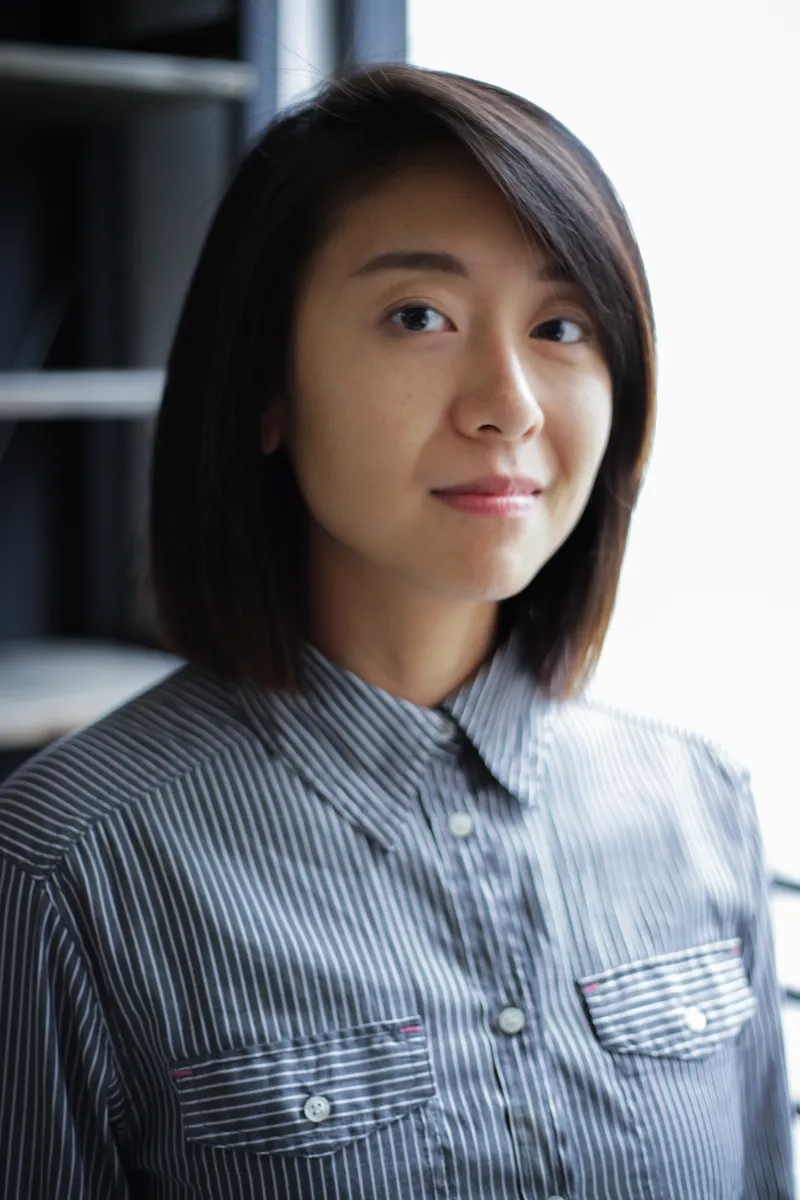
[(356, 440), (579, 434), (585, 429), (598, 440)]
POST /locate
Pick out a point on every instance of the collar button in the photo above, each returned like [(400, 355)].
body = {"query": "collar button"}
[(448, 731)]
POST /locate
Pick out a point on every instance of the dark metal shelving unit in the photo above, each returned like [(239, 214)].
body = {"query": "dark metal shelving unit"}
[(120, 124), (113, 157)]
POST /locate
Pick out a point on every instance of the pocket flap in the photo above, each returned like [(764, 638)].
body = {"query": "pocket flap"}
[(307, 1095), (678, 1005)]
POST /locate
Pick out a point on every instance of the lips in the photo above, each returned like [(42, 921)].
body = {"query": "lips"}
[(494, 485)]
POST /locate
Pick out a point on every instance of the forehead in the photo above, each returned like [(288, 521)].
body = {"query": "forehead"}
[(448, 205)]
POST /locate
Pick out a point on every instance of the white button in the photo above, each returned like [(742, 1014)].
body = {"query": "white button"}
[(460, 824), (695, 1019), (511, 1020), (447, 731), (317, 1108)]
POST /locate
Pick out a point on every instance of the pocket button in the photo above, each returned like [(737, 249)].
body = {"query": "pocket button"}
[(317, 1108), (695, 1019)]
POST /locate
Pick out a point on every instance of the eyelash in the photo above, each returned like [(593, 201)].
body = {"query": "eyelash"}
[(585, 327)]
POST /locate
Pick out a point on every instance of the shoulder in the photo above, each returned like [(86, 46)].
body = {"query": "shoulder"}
[(658, 751), (189, 719)]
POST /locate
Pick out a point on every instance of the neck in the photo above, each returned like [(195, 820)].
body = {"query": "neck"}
[(416, 646)]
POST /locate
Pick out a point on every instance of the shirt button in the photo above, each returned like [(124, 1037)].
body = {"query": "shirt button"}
[(511, 1020), (695, 1019), (317, 1108), (460, 824), (447, 731)]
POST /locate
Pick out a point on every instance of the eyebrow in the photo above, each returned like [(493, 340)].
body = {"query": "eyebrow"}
[(448, 264)]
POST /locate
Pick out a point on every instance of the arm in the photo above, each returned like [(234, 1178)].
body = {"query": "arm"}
[(766, 1134), (59, 1087)]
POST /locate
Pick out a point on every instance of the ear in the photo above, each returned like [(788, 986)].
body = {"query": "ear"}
[(270, 431)]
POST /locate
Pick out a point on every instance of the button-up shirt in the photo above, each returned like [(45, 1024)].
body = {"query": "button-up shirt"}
[(335, 946)]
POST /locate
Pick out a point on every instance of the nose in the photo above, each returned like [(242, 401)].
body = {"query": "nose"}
[(497, 397)]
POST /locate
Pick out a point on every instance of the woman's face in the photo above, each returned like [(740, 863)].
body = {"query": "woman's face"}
[(431, 350)]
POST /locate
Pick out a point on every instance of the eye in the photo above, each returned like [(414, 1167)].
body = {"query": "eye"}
[(419, 318), (563, 330)]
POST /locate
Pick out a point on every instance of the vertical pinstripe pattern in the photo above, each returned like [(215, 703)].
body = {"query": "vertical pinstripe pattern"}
[(244, 952)]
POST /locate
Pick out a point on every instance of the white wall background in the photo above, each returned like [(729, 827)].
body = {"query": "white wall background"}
[(693, 108)]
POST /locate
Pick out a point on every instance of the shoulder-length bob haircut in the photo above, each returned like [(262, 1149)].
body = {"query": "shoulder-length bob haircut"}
[(227, 524)]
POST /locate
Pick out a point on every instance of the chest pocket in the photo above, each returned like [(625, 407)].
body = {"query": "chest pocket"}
[(683, 1005), (306, 1096)]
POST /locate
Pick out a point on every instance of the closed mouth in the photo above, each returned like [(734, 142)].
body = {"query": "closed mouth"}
[(494, 485)]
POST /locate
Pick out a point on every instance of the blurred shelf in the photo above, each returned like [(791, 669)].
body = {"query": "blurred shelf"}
[(52, 688), (65, 82), (47, 395), (783, 883)]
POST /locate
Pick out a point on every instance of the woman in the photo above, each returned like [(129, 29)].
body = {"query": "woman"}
[(368, 900)]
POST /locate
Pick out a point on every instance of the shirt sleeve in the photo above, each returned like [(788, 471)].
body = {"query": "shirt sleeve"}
[(767, 1134), (59, 1085)]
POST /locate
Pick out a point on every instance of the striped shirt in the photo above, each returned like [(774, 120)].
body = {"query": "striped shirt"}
[(341, 947)]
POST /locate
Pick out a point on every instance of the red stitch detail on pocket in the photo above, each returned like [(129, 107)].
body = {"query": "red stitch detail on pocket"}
[(411, 1029), (591, 987), (180, 1074)]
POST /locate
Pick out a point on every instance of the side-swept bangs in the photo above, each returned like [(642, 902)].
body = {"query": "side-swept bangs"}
[(227, 524)]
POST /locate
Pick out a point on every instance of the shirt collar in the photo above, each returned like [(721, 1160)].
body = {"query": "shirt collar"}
[(366, 750)]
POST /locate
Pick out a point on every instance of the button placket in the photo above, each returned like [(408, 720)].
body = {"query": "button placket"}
[(477, 870)]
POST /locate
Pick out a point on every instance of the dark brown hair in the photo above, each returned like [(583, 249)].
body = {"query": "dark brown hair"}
[(227, 544)]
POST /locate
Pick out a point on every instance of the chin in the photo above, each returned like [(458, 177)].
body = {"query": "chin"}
[(489, 587)]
